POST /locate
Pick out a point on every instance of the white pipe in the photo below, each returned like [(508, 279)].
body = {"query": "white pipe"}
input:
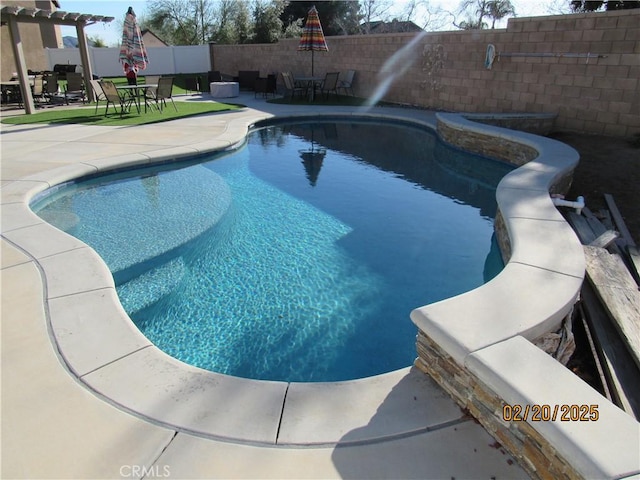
[(561, 202)]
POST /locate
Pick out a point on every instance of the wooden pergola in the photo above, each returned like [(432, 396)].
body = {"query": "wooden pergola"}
[(12, 15)]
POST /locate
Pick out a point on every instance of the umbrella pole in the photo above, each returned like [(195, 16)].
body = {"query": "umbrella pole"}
[(312, 62)]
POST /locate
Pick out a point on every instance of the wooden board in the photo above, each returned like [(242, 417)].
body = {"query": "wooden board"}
[(617, 218), (621, 373), (594, 222), (605, 239), (618, 293), (581, 227), (634, 257)]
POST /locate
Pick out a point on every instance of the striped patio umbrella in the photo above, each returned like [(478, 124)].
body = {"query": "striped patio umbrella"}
[(312, 36), (133, 55)]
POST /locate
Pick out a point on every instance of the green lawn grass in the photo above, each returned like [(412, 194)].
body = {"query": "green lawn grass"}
[(87, 115)]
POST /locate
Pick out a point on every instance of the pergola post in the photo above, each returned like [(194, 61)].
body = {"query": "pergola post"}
[(21, 65), (84, 58)]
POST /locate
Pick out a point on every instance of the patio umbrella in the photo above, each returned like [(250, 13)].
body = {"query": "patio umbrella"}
[(312, 36), (133, 55)]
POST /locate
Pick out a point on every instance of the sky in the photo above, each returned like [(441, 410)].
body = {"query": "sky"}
[(111, 32)]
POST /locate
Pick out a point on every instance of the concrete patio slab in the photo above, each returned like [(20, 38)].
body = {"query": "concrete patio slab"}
[(52, 427), (11, 256), (425, 456)]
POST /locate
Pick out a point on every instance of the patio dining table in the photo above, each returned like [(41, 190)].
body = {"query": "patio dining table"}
[(11, 90), (309, 82), (136, 92)]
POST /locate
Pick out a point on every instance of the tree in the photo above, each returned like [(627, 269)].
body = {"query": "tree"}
[(371, 10), (477, 10), (242, 23), (498, 9), (194, 22), (182, 22), (338, 17), (225, 27), (267, 24), (578, 6), (97, 42), (425, 15)]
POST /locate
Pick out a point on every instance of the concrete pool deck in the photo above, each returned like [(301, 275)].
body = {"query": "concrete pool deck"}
[(99, 401)]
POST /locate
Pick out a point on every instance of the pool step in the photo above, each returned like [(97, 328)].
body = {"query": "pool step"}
[(150, 287)]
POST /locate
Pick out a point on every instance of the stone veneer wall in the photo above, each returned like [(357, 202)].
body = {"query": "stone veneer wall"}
[(524, 443), (446, 71)]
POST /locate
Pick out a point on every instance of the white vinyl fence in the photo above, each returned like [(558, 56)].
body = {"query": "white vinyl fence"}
[(162, 60)]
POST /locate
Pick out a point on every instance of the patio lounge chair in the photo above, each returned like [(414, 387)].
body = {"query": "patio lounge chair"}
[(330, 84), (346, 83), (75, 87), (163, 93), (97, 91), (113, 97)]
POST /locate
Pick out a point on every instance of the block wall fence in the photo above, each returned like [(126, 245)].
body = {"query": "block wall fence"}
[(583, 67)]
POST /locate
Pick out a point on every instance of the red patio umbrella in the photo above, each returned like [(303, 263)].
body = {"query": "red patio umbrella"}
[(312, 36), (133, 54)]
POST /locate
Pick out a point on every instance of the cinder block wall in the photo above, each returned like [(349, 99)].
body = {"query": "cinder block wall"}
[(446, 70)]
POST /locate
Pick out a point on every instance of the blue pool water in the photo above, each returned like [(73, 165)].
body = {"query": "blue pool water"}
[(297, 257)]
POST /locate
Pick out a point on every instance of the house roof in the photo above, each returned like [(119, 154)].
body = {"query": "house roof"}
[(146, 31), (395, 26)]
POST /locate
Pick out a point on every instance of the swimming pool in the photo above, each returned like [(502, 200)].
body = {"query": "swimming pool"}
[(297, 257)]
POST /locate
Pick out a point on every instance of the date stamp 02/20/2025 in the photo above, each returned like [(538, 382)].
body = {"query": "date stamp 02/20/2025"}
[(550, 413)]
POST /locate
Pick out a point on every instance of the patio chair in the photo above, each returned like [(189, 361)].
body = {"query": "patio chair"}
[(346, 83), (330, 83), (163, 93), (75, 87), (37, 90), (113, 97), (192, 84), (51, 88), (290, 86), (265, 86), (98, 93), (150, 94)]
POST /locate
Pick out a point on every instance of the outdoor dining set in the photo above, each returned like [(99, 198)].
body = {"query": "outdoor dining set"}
[(46, 91), (45, 88), (301, 86)]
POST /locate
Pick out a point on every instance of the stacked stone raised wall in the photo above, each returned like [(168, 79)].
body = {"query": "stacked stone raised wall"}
[(447, 69), (533, 452)]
